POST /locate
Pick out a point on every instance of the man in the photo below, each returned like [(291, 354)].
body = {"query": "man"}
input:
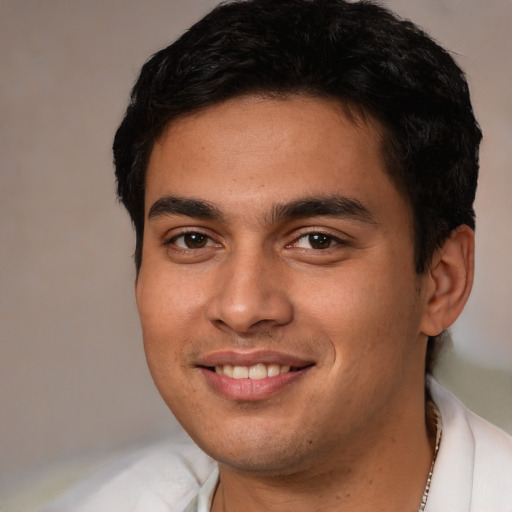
[(301, 177)]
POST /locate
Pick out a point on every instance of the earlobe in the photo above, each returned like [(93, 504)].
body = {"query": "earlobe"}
[(449, 281)]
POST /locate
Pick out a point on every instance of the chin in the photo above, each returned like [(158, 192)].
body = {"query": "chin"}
[(255, 451)]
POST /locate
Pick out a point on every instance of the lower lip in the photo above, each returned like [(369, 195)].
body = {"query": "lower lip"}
[(251, 390)]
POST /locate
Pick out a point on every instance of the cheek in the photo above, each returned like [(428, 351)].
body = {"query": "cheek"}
[(347, 296), (363, 309), (171, 309), (163, 337), (165, 301), (158, 311)]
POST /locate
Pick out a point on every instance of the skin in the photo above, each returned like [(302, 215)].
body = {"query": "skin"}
[(350, 433)]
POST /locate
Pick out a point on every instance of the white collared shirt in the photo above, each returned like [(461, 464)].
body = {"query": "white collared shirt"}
[(472, 473)]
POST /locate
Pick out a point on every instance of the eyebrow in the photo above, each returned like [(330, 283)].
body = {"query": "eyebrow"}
[(331, 206), (171, 205)]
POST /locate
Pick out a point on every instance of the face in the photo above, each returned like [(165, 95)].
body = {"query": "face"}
[(280, 309)]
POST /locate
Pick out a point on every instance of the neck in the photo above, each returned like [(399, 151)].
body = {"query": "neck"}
[(385, 472)]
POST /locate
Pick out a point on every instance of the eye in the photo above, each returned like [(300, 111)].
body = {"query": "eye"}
[(191, 240), (317, 241)]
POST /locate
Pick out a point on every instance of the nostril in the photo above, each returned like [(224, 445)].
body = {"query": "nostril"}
[(262, 327)]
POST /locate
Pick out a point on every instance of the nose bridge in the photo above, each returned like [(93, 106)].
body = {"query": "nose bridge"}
[(250, 292)]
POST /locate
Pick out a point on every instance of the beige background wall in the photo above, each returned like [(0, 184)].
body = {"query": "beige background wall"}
[(73, 382)]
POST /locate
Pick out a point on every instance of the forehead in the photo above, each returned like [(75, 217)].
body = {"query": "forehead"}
[(255, 151)]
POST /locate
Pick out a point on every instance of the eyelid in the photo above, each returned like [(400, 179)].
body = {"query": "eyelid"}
[(342, 239), (170, 237), (333, 241)]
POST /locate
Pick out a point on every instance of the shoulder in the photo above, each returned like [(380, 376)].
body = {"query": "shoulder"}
[(474, 464), (162, 478)]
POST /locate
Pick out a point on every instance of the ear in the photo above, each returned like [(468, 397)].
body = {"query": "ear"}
[(449, 281)]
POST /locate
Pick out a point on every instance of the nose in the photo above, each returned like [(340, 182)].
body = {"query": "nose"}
[(250, 295)]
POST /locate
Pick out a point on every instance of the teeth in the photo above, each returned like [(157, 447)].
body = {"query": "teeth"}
[(257, 371), (273, 370), (240, 372)]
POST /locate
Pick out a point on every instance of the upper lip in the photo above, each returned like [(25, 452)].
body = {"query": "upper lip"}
[(240, 358)]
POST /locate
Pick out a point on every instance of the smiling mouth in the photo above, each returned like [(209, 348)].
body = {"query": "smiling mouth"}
[(256, 381), (255, 372)]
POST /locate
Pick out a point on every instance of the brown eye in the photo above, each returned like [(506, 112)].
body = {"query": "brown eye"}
[(320, 241), (191, 241), (317, 241)]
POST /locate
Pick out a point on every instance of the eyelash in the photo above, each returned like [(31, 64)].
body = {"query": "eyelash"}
[(331, 240), (172, 241), (323, 238)]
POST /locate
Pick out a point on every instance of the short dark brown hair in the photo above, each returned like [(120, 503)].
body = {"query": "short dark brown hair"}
[(358, 53)]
